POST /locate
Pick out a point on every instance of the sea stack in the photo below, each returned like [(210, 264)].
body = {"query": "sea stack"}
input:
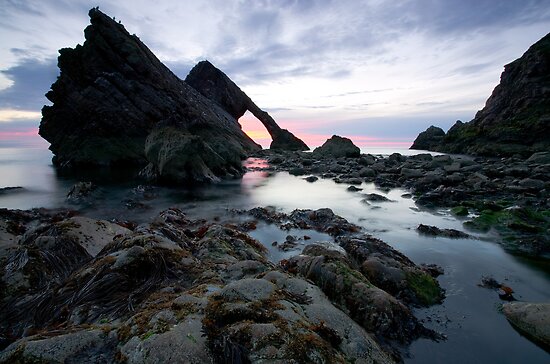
[(115, 103), (215, 85), (515, 119)]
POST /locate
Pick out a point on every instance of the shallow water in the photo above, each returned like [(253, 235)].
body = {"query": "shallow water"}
[(477, 332)]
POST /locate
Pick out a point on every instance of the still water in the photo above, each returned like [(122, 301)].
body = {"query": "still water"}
[(470, 316)]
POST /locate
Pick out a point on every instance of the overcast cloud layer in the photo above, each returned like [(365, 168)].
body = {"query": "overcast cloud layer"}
[(372, 68)]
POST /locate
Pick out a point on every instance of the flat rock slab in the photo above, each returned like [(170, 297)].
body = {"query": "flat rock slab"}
[(530, 319)]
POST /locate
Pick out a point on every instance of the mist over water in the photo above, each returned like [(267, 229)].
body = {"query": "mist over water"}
[(469, 316)]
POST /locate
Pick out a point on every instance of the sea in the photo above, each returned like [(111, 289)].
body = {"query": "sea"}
[(470, 317)]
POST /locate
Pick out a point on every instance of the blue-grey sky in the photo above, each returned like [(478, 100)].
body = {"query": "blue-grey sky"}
[(376, 70)]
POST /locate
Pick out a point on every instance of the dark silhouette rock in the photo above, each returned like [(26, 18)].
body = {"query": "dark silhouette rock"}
[(429, 139), (337, 147), (113, 92), (515, 119), (216, 86)]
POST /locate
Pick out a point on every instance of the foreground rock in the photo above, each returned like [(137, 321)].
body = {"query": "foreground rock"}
[(133, 111), (531, 320), (515, 119), (181, 290)]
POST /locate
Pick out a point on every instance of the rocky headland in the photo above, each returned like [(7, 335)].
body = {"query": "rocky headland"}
[(515, 119), (115, 104)]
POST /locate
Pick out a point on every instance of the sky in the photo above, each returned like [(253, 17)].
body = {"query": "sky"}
[(378, 72)]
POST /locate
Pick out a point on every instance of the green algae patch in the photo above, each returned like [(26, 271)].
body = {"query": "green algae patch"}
[(460, 211), (426, 288)]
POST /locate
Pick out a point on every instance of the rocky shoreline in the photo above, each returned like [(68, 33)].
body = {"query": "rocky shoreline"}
[(76, 288), (507, 195), (175, 289)]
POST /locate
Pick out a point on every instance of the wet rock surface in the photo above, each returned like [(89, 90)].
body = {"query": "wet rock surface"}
[(531, 320), (177, 289)]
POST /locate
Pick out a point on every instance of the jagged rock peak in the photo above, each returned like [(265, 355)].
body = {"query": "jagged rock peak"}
[(113, 95), (218, 87), (516, 117)]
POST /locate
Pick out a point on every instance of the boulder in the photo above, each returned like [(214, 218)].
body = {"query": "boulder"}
[(428, 139), (530, 319), (337, 147)]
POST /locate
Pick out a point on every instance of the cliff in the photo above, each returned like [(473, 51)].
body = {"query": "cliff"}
[(515, 119)]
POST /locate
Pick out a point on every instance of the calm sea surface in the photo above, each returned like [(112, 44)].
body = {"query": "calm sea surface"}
[(470, 317)]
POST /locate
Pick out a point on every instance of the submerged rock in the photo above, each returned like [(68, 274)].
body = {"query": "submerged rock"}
[(446, 233), (120, 92)]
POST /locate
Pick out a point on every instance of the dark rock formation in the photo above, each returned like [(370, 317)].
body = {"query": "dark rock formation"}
[(515, 119), (337, 147), (113, 92), (429, 139), (215, 85)]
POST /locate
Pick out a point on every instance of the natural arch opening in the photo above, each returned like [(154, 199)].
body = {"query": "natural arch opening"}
[(255, 129)]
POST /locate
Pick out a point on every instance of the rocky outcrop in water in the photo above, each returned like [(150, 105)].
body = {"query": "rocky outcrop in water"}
[(115, 103), (216, 86), (515, 119)]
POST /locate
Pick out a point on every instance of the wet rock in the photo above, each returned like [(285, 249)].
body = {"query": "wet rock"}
[(429, 139), (336, 147), (311, 179), (80, 192), (374, 197), (411, 173), (290, 320), (82, 346), (446, 233), (5, 190), (354, 189), (532, 184), (539, 158), (368, 305), (182, 343), (391, 271), (322, 220), (531, 320)]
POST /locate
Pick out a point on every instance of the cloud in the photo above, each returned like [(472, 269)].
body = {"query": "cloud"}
[(10, 115), (31, 79), (434, 61)]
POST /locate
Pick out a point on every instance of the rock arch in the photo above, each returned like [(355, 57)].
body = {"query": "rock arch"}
[(216, 86)]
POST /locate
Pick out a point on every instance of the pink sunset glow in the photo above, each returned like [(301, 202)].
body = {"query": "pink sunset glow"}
[(255, 130)]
